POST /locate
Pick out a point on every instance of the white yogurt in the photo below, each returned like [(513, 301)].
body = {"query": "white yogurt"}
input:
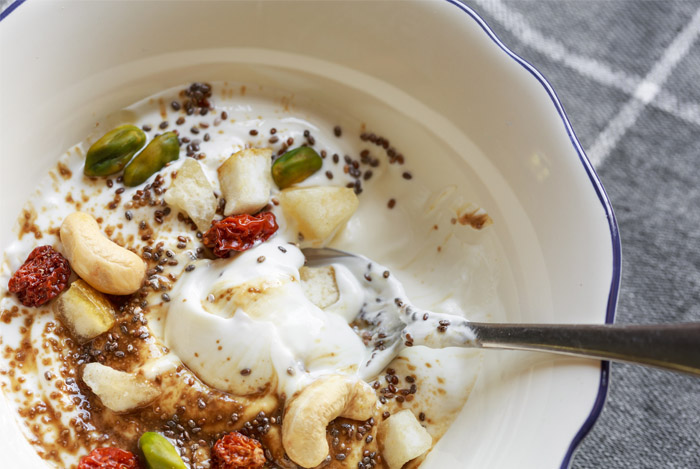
[(260, 331), (243, 325)]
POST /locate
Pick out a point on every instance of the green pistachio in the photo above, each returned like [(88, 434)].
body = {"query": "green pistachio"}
[(162, 150), (159, 452), (295, 166), (113, 150)]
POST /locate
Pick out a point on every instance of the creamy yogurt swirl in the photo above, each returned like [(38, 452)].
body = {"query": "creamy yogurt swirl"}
[(245, 325)]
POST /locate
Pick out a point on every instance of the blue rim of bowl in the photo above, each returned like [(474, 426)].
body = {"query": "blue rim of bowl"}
[(612, 224), (597, 186), (10, 9)]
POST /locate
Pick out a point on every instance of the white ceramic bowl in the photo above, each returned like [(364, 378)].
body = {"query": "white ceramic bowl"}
[(435, 65)]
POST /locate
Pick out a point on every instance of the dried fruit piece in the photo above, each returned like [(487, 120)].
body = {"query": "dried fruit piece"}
[(245, 180), (108, 458), (42, 277), (237, 451), (192, 193), (319, 212), (119, 391), (402, 438), (239, 232), (295, 166), (114, 150), (84, 311), (320, 285), (162, 150), (159, 452)]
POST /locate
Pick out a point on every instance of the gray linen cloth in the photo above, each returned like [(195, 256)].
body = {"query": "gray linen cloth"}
[(628, 75)]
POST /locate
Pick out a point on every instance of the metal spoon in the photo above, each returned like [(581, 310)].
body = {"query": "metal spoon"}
[(388, 322)]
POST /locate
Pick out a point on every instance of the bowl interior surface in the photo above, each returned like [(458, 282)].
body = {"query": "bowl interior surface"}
[(425, 73)]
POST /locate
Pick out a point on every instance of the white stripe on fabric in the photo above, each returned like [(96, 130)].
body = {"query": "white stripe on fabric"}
[(588, 67), (645, 92)]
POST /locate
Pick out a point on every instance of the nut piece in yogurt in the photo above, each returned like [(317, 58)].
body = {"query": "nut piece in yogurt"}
[(192, 193), (114, 150), (295, 166), (319, 212), (106, 266), (319, 285), (84, 311), (162, 150), (402, 438), (119, 391), (246, 181), (307, 415)]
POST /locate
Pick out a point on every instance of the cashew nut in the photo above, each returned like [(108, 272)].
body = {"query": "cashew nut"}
[(308, 415), (106, 266)]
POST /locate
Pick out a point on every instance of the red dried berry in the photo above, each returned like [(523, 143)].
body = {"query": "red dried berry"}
[(109, 458), (42, 277), (239, 232), (237, 451)]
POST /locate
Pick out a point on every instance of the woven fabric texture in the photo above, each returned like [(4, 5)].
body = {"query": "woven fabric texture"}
[(628, 75)]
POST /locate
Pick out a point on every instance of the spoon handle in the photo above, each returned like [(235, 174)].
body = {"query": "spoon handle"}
[(671, 346)]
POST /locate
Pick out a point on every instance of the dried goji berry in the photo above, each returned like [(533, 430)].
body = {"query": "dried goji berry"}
[(239, 232), (237, 451), (42, 277), (108, 458)]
